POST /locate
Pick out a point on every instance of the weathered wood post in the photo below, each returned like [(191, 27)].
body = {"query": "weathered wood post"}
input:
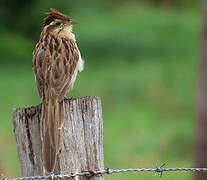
[(81, 138)]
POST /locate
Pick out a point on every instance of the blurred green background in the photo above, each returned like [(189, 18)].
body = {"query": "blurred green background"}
[(141, 58)]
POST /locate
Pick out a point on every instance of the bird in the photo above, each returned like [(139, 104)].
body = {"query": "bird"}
[(56, 63)]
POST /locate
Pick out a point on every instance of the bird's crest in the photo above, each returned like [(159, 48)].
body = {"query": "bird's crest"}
[(54, 14)]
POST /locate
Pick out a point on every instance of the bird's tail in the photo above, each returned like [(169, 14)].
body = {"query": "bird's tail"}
[(52, 117)]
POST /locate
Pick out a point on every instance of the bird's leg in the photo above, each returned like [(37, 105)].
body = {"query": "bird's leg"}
[(65, 98)]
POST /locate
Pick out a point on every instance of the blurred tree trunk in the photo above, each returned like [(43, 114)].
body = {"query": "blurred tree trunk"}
[(201, 133)]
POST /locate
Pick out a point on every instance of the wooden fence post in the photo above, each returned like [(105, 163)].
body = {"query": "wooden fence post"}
[(81, 138)]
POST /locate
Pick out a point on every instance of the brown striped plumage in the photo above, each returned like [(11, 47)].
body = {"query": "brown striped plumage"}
[(56, 60)]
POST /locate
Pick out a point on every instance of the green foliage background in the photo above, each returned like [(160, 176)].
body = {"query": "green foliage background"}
[(141, 58)]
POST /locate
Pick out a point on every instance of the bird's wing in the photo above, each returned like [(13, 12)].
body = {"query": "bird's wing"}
[(64, 69), (55, 67), (38, 58)]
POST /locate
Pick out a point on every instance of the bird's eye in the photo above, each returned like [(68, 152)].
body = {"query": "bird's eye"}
[(57, 23)]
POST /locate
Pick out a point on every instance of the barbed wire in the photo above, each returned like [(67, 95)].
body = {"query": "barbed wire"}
[(89, 173)]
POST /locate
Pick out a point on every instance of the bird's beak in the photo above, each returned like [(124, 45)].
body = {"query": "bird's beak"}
[(73, 21)]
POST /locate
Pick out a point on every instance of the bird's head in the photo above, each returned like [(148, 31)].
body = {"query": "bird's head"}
[(57, 22)]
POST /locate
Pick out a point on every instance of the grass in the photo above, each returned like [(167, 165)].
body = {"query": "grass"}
[(143, 63)]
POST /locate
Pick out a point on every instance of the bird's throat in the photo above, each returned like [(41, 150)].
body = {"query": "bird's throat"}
[(66, 32)]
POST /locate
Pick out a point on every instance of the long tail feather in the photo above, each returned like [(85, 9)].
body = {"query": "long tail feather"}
[(52, 119)]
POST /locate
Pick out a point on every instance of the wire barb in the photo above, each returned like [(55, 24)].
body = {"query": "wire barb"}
[(108, 171), (160, 169)]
